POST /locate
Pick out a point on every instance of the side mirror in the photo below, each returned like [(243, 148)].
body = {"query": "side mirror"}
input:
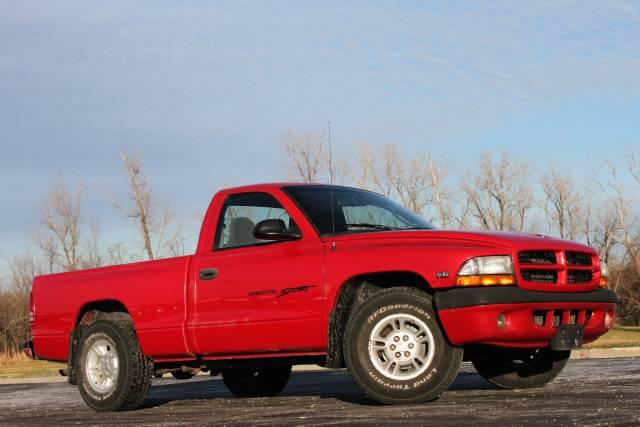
[(274, 229)]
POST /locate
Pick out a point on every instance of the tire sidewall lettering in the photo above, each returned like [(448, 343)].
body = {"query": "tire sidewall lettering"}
[(395, 385), (409, 307)]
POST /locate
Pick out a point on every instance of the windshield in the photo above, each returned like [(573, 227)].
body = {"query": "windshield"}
[(354, 210)]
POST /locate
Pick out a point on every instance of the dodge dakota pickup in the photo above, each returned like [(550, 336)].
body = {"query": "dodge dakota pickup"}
[(288, 274)]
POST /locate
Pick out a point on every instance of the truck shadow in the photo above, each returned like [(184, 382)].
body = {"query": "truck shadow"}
[(325, 385)]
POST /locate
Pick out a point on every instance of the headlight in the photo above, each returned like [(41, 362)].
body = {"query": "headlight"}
[(604, 274), (486, 271)]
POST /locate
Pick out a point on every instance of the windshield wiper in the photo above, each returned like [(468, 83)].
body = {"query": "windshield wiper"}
[(367, 225)]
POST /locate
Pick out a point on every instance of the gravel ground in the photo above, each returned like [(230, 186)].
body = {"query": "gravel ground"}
[(596, 391)]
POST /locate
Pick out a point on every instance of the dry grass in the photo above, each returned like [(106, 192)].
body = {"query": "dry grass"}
[(618, 337), (19, 366)]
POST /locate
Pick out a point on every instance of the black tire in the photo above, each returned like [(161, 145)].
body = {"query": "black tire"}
[(514, 368), (432, 377), (256, 382), (134, 372), (181, 375)]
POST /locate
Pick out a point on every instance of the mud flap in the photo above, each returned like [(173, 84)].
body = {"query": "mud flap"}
[(71, 358), (568, 337)]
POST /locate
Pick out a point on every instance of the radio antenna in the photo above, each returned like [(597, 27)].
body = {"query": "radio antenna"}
[(331, 189), (330, 154)]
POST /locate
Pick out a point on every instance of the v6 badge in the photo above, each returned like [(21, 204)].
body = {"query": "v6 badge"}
[(442, 274)]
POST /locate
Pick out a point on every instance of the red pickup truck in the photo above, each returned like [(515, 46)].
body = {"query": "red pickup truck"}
[(288, 274)]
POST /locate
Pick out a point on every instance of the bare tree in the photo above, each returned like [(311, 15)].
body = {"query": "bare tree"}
[(395, 176), (413, 185), (524, 201), (603, 236), (628, 234), (341, 170), (632, 226), (417, 182), (563, 204), (93, 255), (389, 178), (117, 253), (633, 163), (364, 164), (384, 168), (451, 211), (619, 226), (96, 254), (176, 245), (61, 220), (22, 270), (306, 153), (141, 198), (499, 193), (14, 320), (152, 217)]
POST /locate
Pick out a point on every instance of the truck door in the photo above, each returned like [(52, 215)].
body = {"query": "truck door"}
[(255, 296)]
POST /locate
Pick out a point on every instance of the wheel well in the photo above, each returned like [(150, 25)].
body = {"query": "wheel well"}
[(96, 310), (354, 292), (100, 309)]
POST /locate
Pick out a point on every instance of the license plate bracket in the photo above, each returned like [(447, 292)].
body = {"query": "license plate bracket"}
[(568, 337)]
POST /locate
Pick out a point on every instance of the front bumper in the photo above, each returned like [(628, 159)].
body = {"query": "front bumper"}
[(514, 317)]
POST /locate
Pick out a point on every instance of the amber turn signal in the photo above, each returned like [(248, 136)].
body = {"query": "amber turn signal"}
[(485, 280), (604, 274)]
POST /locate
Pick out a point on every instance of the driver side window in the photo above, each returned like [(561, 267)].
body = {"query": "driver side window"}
[(240, 215)]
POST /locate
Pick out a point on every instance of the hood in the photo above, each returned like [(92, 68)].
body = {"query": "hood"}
[(516, 241)]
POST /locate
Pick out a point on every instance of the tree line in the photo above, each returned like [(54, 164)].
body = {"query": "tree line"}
[(65, 239), (494, 192), (498, 191)]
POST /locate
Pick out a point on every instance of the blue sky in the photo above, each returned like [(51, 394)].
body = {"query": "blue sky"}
[(203, 89)]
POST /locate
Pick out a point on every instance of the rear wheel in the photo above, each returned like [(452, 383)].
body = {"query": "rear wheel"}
[(395, 350), (256, 382), (113, 374), (521, 368)]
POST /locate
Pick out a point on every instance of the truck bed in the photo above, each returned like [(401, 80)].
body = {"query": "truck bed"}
[(153, 292)]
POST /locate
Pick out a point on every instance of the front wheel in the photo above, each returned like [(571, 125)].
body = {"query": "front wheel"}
[(395, 351), (113, 373), (521, 368), (256, 382)]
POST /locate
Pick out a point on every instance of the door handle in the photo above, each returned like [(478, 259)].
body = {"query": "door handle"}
[(208, 274)]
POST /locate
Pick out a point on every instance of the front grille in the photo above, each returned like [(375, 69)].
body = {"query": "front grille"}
[(540, 276), (549, 266), (537, 257), (579, 276), (577, 258)]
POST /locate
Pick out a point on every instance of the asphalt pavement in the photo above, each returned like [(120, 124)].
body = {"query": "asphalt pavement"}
[(588, 392)]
